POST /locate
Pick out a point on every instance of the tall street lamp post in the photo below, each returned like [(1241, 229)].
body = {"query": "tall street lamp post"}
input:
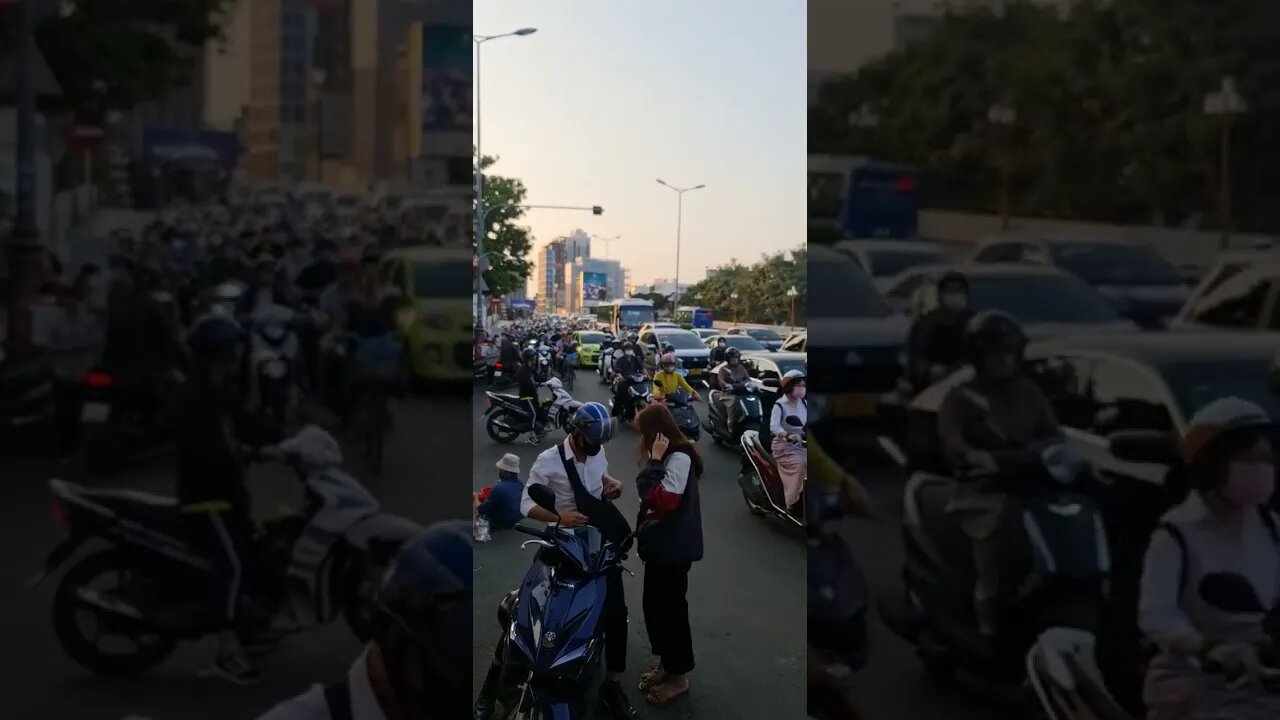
[(606, 241), (792, 294), (479, 40), (1004, 117), (1226, 103), (679, 213), (734, 297)]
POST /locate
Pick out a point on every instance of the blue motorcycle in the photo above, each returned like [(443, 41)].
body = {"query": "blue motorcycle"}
[(553, 625)]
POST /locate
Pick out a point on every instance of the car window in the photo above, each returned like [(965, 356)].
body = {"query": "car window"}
[(1039, 298), (1064, 380), (1114, 264), (888, 263), (647, 338), (681, 341), (796, 344), (1135, 398), (1238, 303), (998, 253)]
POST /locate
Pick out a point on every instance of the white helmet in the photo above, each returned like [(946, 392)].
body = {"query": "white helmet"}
[(314, 447), (554, 383)]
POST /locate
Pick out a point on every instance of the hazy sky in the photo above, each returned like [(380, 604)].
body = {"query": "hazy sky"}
[(609, 95)]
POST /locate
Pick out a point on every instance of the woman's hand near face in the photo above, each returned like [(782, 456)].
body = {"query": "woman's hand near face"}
[(658, 450)]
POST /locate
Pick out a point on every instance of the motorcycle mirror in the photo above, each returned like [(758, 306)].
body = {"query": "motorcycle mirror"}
[(542, 495)]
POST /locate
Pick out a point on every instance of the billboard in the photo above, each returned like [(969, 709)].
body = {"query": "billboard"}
[(446, 77), (595, 287)]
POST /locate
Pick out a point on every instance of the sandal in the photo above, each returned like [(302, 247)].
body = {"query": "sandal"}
[(653, 677), (664, 693)]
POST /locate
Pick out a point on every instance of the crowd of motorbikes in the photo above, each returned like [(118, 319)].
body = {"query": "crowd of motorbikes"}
[(126, 563)]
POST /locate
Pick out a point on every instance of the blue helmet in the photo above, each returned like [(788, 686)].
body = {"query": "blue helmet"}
[(528, 353), (427, 594), (593, 423), (214, 333)]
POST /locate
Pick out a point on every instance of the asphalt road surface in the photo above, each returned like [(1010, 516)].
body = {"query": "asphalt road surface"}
[(746, 598), (422, 481), (893, 684)]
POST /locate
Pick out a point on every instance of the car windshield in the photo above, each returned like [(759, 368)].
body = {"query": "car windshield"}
[(1040, 298), (790, 364), (1114, 264), (837, 289), (1198, 383), (763, 334), (591, 338), (445, 279), (682, 341), (743, 342), (888, 263), (635, 316)]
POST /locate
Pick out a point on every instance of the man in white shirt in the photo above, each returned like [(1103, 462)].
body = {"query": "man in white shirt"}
[(576, 472), (415, 668)]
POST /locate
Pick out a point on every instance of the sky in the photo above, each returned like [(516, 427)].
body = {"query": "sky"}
[(608, 96)]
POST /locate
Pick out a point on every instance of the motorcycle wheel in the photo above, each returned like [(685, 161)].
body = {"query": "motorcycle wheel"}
[(72, 635), (505, 435)]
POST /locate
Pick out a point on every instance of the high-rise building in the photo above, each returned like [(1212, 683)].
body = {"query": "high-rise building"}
[(586, 274), (577, 244)]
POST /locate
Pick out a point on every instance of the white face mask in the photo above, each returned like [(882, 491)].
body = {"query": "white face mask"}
[(627, 353)]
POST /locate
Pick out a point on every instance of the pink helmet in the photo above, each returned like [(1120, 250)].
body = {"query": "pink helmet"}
[(669, 359)]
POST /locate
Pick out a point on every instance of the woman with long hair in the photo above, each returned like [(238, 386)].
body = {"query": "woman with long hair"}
[(668, 486)]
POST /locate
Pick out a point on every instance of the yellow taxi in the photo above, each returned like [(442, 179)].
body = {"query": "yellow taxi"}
[(434, 285), (589, 344)]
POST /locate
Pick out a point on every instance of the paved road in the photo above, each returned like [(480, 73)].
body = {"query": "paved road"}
[(893, 683), (746, 598), (422, 482)]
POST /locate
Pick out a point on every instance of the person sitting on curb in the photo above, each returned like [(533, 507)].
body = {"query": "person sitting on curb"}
[(501, 504)]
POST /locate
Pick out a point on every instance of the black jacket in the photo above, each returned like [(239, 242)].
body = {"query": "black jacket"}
[(209, 430), (633, 365), (526, 385), (937, 338), (717, 355), (677, 537)]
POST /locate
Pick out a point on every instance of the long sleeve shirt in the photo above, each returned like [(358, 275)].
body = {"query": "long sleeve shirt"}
[(663, 497), (783, 409)]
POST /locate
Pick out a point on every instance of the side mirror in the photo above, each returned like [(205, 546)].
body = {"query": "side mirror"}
[(1144, 446), (772, 382), (542, 495)]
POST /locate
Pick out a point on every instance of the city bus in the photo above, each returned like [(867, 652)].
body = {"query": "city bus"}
[(625, 314), (863, 198), (695, 317)]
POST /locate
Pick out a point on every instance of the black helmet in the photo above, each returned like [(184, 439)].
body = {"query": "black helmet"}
[(213, 334), (732, 353), (528, 353), (992, 331), (953, 278), (627, 346)]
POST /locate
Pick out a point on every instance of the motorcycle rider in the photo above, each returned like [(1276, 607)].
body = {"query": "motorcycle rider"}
[(791, 455), (625, 365), (718, 352), (139, 345), (935, 344), (1224, 534), (668, 380), (527, 388), (733, 378), (576, 471), (213, 437), (996, 421), (415, 666)]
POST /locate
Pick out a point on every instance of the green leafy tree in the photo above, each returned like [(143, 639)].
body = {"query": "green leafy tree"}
[(660, 302), (114, 54), (507, 243), (761, 288)]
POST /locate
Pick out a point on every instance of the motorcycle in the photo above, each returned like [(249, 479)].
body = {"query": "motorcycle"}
[(604, 367), (509, 418), (1063, 674), (121, 425), (681, 406), (761, 482), (273, 358), (1059, 568), (553, 625), (749, 416), (318, 562), (636, 395)]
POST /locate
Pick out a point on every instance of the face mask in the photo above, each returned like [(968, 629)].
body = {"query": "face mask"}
[(954, 300), (1249, 483), (627, 353), (1001, 366), (669, 368), (733, 361), (588, 447), (799, 393)]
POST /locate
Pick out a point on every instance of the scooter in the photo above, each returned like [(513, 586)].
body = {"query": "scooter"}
[(121, 426), (681, 406), (761, 481), (604, 367), (1058, 566), (553, 625), (509, 418), (318, 562), (749, 415), (636, 395)]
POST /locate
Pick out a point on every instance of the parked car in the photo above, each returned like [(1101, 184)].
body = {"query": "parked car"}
[(1048, 302), (694, 356), (1140, 284), (745, 343), (768, 338), (704, 333), (1236, 295), (884, 260)]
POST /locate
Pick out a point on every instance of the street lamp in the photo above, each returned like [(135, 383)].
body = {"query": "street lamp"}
[(1225, 102), (792, 294), (479, 40), (606, 241), (318, 77), (864, 118), (734, 297), (1004, 117), (679, 212)]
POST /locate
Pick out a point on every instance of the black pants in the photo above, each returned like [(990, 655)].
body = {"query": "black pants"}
[(68, 398), (666, 615), (615, 624), (226, 538)]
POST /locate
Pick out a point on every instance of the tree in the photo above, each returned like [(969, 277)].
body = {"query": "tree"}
[(114, 54), (761, 288), (506, 243), (660, 301)]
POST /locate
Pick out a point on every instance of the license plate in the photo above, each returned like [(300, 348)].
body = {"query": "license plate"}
[(95, 412), (695, 371), (855, 406)]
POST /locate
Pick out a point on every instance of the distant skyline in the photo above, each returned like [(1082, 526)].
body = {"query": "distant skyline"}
[(607, 97)]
